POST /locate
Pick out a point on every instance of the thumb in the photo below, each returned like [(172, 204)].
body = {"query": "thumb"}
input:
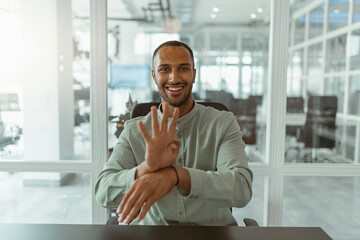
[(175, 145)]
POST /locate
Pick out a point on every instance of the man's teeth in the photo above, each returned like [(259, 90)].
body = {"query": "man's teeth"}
[(175, 89)]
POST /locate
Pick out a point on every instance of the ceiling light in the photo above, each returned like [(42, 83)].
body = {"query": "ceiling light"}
[(216, 9), (172, 25), (260, 10), (253, 15), (336, 11), (213, 15)]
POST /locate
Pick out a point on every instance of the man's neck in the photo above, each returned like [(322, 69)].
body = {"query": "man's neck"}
[(183, 109)]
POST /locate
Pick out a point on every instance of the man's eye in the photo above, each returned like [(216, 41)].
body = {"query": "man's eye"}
[(184, 68), (164, 69)]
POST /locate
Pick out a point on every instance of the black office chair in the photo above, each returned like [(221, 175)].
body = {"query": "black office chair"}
[(245, 113), (320, 127), (142, 109)]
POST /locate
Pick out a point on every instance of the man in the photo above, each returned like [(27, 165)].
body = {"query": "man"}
[(188, 173)]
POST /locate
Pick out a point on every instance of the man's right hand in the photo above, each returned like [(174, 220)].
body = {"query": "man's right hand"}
[(162, 148)]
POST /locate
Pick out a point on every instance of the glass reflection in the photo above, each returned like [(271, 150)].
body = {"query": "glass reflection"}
[(336, 54), (356, 11), (355, 50), (316, 21), (300, 29), (354, 95), (336, 86), (338, 14), (315, 60), (295, 73)]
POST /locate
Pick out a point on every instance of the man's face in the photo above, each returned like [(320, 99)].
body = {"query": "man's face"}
[(174, 75)]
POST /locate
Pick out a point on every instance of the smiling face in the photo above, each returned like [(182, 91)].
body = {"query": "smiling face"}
[(174, 75)]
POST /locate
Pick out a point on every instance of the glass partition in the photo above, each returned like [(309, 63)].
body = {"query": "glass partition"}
[(299, 29), (336, 86), (316, 22), (335, 54), (356, 11), (50, 199), (45, 80), (323, 116), (355, 50), (338, 14), (327, 202), (315, 60), (231, 61)]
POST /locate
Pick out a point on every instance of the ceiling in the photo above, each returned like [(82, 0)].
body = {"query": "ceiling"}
[(192, 13)]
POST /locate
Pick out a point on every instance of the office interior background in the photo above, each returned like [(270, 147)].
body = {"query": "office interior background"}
[(71, 70)]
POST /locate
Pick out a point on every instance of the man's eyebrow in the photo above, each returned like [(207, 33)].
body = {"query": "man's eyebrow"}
[(185, 64), (167, 65), (164, 65)]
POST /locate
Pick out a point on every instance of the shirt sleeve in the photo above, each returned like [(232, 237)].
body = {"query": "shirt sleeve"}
[(118, 174), (230, 185)]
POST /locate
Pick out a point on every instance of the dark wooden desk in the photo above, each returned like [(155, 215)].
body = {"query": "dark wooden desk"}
[(106, 232)]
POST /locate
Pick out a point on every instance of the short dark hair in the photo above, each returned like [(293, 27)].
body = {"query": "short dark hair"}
[(174, 44)]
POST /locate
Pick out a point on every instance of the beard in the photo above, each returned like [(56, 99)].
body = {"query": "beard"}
[(176, 103)]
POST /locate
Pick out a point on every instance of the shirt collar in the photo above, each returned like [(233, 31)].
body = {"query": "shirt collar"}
[(183, 119)]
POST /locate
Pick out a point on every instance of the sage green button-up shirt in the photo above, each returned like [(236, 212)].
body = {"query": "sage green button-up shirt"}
[(213, 152)]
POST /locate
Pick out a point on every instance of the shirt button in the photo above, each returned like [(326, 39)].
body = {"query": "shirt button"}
[(179, 136), (180, 212)]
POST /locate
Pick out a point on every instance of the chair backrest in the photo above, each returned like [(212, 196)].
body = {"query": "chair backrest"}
[(319, 130), (245, 113), (141, 109), (294, 104)]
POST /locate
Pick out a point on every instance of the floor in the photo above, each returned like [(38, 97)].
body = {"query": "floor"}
[(332, 203)]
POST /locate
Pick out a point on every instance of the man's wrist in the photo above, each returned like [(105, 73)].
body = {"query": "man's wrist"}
[(177, 175), (143, 169)]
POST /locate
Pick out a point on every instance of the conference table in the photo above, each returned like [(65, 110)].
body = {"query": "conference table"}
[(114, 232)]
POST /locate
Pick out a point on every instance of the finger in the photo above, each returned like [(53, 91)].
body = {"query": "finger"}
[(125, 199), (144, 132), (144, 210), (135, 210), (175, 148), (165, 118), (154, 121), (174, 121), (175, 145), (128, 206)]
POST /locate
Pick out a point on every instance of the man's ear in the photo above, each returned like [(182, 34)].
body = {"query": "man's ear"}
[(153, 75)]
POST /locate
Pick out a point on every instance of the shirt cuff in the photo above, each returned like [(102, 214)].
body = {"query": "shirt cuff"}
[(197, 183)]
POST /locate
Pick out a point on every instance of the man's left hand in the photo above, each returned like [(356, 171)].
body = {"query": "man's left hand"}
[(144, 193)]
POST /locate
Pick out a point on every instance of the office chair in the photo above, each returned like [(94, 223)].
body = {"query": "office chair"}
[(142, 109), (293, 132), (245, 113), (319, 129)]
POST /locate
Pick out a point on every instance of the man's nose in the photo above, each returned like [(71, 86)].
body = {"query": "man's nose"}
[(174, 75)]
